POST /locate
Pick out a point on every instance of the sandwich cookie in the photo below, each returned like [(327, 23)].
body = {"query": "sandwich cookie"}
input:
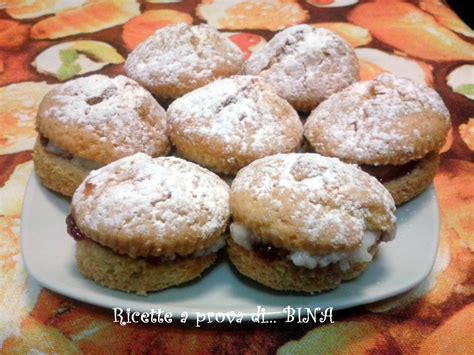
[(178, 59), (88, 122), (144, 224), (305, 65), (231, 122), (391, 127), (304, 222)]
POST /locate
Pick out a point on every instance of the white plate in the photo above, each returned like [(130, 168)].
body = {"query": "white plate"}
[(48, 252)]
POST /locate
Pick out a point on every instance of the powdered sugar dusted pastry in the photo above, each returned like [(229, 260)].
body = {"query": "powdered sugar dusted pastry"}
[(181, 58), (233, 15), (144, 224), (392, 127), (229, 123), (304, 222), (92, 121), (305, 65)]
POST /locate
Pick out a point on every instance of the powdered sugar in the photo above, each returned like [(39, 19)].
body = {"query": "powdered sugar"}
[(329, 199), (117, 110), (365, 119), (242, 113), (181, 53), (156, 199), (305, 63)]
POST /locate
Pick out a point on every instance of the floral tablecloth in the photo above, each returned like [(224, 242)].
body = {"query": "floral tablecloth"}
[(44, 42)]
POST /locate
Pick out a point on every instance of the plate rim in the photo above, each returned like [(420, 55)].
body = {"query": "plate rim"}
[(274, 315)]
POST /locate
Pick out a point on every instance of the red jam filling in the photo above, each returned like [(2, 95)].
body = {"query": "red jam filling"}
[(268, 252), (65, 155), (385, 173), (44, 141), (73, 230)]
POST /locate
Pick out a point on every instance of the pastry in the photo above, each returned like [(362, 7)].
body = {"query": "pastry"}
[(354, 35), (305, 65), (410, 30), (445, 16), (92, 17), (144, 224), (181, 58), (304, 222), (29, 9), (390, 126), (88, 122), (229, 123), (272, 15)]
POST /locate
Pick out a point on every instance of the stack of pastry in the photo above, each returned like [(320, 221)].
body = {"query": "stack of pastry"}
[(391, 127), (92, 121), (293, 221)]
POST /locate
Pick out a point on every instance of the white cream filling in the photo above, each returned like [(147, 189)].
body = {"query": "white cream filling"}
[(214, 248), (242, 236), (245, 238), (84, 163)]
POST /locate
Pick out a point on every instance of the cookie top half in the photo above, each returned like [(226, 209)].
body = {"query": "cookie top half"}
[(181, 58), (143, 206), (305, 65), (307, 202), (103, 119), (389, 120), (229, 123)]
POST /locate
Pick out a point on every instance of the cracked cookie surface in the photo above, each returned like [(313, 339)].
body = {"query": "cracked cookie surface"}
[(305, 65), (181, 58), (231, 122), (389, 120)]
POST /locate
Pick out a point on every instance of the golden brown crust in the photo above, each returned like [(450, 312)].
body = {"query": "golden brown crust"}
[(57, 173), (285, 276), (103, 119), (411, 185), (140, 276), (178, 59), (307, 202), (231, 122), (386, 121)]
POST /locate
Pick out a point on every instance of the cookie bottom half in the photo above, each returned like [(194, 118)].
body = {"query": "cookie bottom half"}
[(121, 272), (57, 173), (416, 181), (283, 275)]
